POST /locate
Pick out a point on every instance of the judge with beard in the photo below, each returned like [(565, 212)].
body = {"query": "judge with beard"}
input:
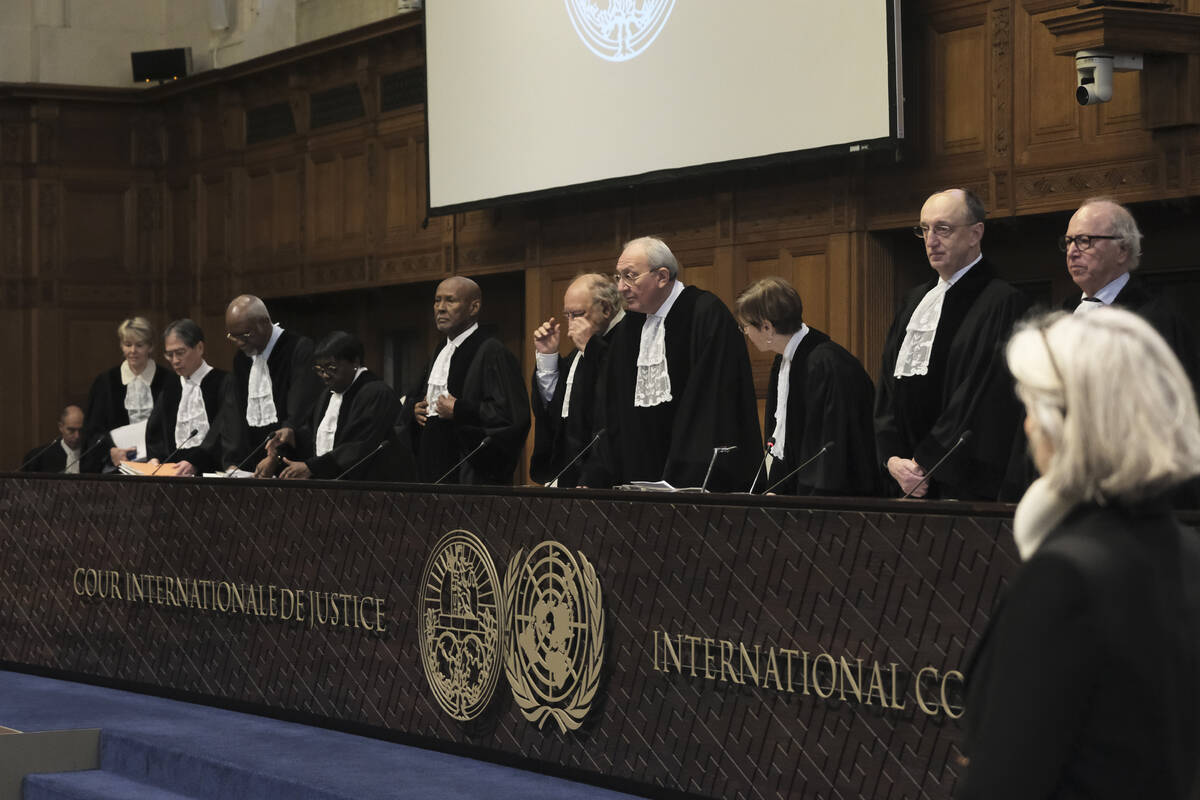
[(471, 402), (184, 425), (677, 383), (354, 416), (942, 375), (565, 388), (818, 393), (122, 395), (272, 385)]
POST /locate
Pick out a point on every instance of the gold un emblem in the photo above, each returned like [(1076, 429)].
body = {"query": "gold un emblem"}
[(555, 621), (462, 618)]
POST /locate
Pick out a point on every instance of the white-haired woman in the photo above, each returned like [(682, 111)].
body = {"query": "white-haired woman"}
[(124, 394), (1087, 681)]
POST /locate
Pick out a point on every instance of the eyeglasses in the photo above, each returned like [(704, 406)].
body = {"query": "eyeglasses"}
[(940, 230), (570, 315), (179, 353), (1082, 241), (326, 370), (237, 337), (744, 326), (631, 278)]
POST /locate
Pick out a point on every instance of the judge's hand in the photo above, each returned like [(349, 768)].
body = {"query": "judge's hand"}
[(184, 469), (421, 412), (281, 437), (119, 454), (545, 338), (580, 329), (445, 406), (295, 469), (908, 474), (267, 467)]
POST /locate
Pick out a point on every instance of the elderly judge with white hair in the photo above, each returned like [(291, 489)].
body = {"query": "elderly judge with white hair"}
[(1087, 680)]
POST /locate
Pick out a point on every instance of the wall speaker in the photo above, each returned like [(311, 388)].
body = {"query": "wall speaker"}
[(161, 65)]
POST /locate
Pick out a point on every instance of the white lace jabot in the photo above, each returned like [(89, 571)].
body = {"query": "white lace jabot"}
[(653, 386)]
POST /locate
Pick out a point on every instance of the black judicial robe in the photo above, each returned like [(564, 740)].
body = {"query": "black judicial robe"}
[(205, 454), (47, 458), (106, 410), (1086, 682), (968, 388), (556, 440), (490, 400), (294, 388), (368, 416), (713, 404), (1163, 315), (830, 399)]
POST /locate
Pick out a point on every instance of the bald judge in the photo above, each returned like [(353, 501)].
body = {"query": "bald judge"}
[(676, 385), (273, 384), (943, 373), (471, 405)]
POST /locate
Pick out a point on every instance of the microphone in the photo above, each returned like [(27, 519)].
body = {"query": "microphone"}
[(84, 454), (965, 436), (252, 453), (486, 441), (195, 432), (37, 455), (824, 449), (362, 460), (716, 452), (578, 456), (762, 464)]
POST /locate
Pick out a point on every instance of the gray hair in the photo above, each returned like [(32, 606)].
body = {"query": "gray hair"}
[(1124, 226), (658, 255), (603, 290), (1126, 444), (186, 331)]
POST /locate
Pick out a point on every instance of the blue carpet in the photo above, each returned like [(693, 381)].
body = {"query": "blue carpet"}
[(157, 748)]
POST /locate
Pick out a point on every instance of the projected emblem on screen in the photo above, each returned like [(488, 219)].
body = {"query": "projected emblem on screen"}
[(556, 622), (621, 29), (462, 624)]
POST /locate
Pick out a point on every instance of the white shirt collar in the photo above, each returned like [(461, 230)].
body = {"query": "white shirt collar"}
[(357, 372), (665, 308), (198, 376), (612, 323), (462, 337), (276, 332), (794, 343), (147, 374), (1110, 290), (955, 277)]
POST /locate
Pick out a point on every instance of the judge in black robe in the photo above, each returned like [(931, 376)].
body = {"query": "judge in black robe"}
[(365, 444), (967, 388), (484, 397), (829, 399), (1104, 273), (294, 385), (711, 401), (593, 308), (64, 452), (106, 403), (183, 346)]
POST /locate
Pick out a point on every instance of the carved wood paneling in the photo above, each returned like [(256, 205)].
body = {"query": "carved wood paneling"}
[(962, 125), (11, 229), (98, 218)]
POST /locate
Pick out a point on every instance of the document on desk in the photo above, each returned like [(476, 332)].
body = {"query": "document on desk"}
[(656, 486), (231, 473), (130, 436)]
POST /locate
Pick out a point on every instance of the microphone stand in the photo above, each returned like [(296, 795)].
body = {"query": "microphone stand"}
[(716, 452), (84, 454), (486, 441), (364, 459), (38, 455), (195, 432), (824, 448), (252, 453), (966, 435), (762, 464), (578, 456)]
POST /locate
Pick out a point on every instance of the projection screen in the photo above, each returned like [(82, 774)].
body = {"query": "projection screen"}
[(534, 97)]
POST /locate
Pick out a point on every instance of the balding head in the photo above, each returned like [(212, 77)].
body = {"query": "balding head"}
[(958, 214), (70, 426), (248, 324), (456, 305)]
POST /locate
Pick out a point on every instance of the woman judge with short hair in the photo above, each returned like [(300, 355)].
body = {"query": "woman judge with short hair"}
[(1087, 680)]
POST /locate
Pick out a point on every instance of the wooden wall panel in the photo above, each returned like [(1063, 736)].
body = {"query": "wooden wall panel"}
[(961, 61), (98, 215)]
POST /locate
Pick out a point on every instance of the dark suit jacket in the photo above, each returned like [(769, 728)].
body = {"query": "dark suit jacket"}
[(106, 410), (1086, 683), (45, 458)]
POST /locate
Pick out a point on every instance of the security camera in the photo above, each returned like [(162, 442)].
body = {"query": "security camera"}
[(1094, 74)]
